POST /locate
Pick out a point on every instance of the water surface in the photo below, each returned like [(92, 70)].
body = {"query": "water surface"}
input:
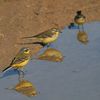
[(76, 78)]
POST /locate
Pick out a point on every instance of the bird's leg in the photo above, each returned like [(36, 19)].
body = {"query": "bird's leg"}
[(48, 45), (79, 27), (21, 75), (82, 28), (16, 70)]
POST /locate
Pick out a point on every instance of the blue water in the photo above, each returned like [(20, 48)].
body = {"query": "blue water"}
[(76, 78)]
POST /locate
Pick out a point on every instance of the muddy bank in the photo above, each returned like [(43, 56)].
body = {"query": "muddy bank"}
[(19, 18)]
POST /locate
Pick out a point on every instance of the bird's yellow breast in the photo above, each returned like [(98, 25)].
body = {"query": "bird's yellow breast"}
[(80, 21), (21, 64), (51, 39)]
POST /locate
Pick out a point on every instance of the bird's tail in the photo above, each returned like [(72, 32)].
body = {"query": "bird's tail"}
[(6, 69), (9, 67), (41, 43), (29, 37)]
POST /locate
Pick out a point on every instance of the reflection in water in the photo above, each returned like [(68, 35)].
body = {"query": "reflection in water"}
[(9, 73), (51, 54), (82, 37), (73, 26), (25, 87)]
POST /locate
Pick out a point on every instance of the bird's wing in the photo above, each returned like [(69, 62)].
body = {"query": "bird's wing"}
[(79, 16), (20, 58), (44, 34)]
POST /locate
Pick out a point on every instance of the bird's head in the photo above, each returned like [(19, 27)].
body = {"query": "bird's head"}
[(25, 50), (79, 12), (56, 30)]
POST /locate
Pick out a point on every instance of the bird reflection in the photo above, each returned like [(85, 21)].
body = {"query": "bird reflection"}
[(25, 87), (8, 73), (51, 54), (82, 37)]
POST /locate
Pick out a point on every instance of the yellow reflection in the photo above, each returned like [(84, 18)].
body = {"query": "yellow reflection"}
[(51, 54), (25, 87), (82, 37)]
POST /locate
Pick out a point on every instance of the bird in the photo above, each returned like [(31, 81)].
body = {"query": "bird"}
[(20, 60), (47, 37), (80, 19)]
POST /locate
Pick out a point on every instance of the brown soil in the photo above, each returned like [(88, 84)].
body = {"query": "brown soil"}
[(20, 18)]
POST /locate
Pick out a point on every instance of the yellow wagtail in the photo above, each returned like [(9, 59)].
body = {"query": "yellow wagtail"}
[(80, 19), (47, 37), (20, 60)]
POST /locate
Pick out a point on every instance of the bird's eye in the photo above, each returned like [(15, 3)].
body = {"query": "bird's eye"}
[(26, 50)]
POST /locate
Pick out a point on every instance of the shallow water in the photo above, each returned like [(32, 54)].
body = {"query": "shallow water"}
[(76, 78)]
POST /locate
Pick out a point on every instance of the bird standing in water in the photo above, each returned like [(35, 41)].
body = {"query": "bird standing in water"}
[(20, 60), (47, 37), (80, 19)]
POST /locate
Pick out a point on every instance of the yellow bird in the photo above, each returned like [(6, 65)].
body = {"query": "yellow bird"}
[(47, 37), (20, 60), (80, 19)]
